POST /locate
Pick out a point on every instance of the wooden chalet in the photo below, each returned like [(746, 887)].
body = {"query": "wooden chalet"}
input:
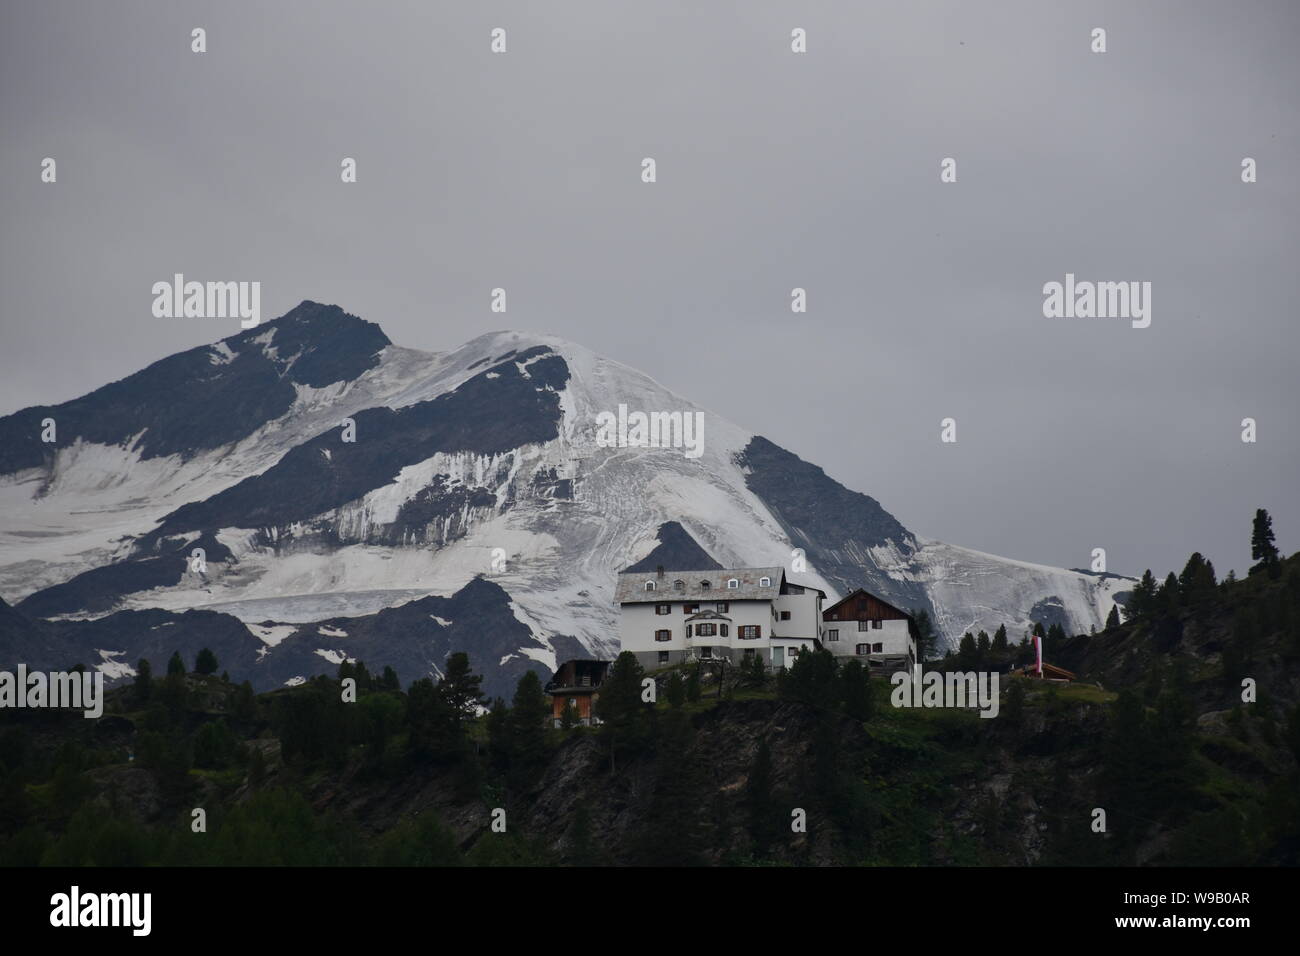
[(576, 683), (871, 629)]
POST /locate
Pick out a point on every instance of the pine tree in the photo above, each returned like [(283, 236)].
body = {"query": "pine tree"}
[(529, 716), (143, 679), (1000, 639), (625, 718), (1197, 578), (175, 665), (693, 689), (460, 689), (365, 681), (1024, 651), (676, 690), (1142, 600), (925, 642), (205, 663), (1167, 598), (967, 652), (1112, 619), (812, 679), (1261, 542)]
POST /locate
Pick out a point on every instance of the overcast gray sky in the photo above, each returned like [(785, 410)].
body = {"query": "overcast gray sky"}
[(775, 170)]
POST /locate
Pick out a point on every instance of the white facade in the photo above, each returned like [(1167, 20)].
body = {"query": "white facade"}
[(872, 630), (849, 639), (673, 616)]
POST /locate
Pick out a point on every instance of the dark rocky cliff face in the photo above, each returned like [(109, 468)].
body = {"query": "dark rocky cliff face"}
[(834, 525), (499, 409), (187, 402), (676, 549), (415, 639)]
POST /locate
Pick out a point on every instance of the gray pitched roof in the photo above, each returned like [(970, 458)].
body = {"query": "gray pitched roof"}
[(631, 585)]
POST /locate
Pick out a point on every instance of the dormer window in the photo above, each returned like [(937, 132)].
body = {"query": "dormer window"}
[(649, 585), (705, 585), (732, 584), (679, 585), (764, 582)]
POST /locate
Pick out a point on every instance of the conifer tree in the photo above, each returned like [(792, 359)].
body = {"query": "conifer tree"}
[(925, 643), (528, 720), (676, 690), (175, 665), (1167, 598), (1261, 542), (459, 688), (693, 689), (1197, 578), (143, 679), (1112, 619), (205, 663), (812, 679), (625, 718), (967, 652), (1142, 600), (1000, 639)]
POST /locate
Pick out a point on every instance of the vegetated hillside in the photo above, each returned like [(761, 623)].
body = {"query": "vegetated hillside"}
[(1154, 733)]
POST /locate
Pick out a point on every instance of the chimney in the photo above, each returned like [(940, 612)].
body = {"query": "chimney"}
[(660, 570)]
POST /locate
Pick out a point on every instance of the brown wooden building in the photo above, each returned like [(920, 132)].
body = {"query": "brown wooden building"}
[(577, 683)]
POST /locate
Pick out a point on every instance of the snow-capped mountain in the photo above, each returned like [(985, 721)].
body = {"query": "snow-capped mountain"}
[(350, 497)]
